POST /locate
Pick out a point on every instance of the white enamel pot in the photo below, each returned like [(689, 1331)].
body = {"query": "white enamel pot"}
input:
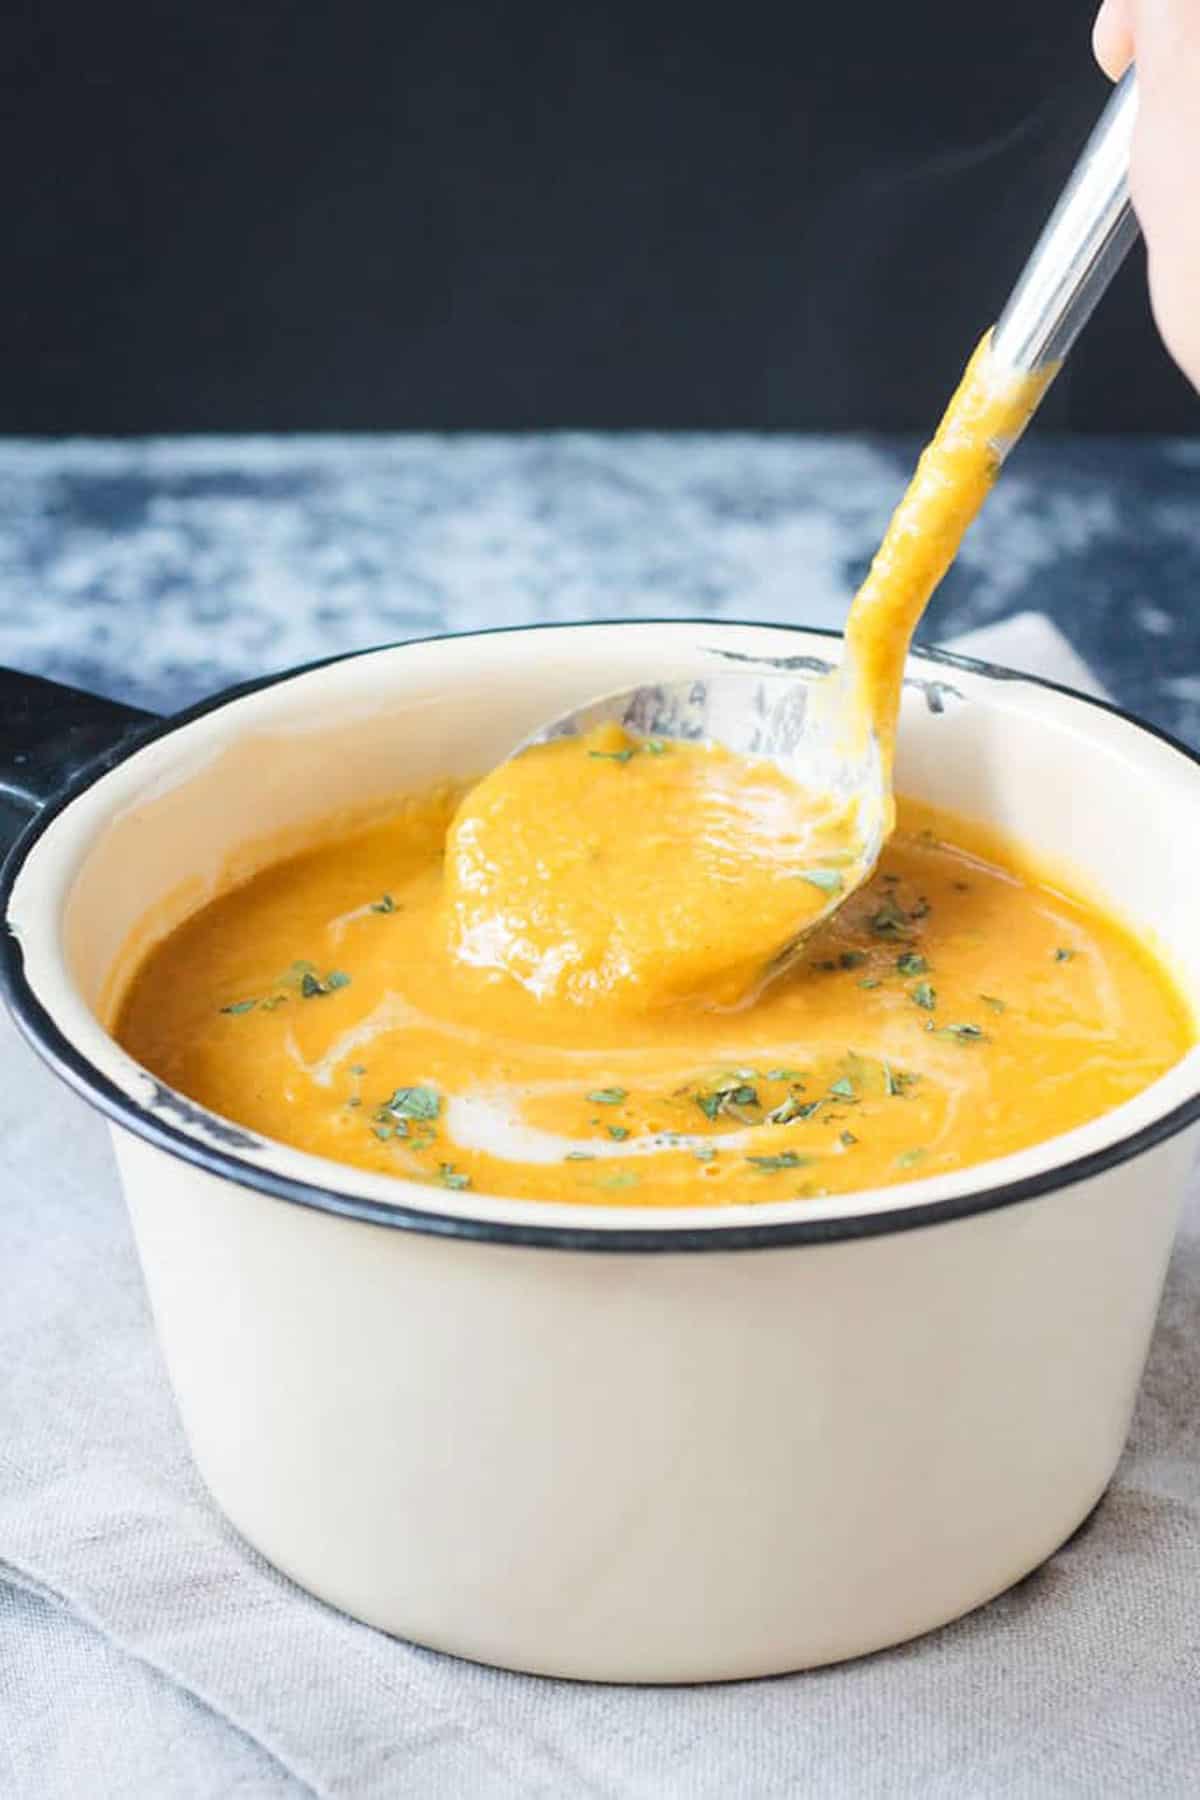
[(613, 1443)]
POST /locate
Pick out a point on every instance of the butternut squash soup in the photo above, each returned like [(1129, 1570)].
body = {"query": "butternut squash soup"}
[(960, 1006)]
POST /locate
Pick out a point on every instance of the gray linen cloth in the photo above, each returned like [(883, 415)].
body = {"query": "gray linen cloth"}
[(145, 1651)]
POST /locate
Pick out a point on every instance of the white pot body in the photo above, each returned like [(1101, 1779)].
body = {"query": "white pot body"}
[(685, 1457), (655, 1468)]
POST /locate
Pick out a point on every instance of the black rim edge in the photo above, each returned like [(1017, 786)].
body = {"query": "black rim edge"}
[(51, 1043)]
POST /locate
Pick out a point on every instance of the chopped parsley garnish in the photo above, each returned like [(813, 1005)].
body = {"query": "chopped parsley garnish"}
[(703, 1152), (792, 1109), (385, 904), (619, 1132), (924, 995), (358, 1068), (1063, 955), (786, 1159), (451, 1177), (889, 920), (896, 1082), (612, 1096), (786, 1074), (997, 1006), (311, 985), (964, 1034), (909, 1158), (652, 747), (828, 880), (384, 1132), (852, 959), (729, 1099), (911, 964), (240, 1006), (871, 981), (844, 1088), (847, 1139), (414, 1103)]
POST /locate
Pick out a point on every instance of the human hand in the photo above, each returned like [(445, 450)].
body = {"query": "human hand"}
[(1164, 37)]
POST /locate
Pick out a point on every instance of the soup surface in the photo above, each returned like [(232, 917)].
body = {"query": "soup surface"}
[(957, 1008)]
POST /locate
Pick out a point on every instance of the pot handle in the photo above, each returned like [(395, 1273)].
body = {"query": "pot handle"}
[(48, 733)]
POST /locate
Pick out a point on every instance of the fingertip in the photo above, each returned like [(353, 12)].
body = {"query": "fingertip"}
[(1112, 40)]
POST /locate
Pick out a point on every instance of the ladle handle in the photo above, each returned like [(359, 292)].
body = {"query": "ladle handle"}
[(1084, 243)]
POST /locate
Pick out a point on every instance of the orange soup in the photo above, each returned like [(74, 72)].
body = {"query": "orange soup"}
[(958, 1007)]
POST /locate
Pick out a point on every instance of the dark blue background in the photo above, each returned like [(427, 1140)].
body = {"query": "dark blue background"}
[(269, 216)]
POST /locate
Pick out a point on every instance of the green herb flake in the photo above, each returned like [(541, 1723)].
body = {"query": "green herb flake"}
[(450, 1177), (889, 920), (384, 904), (239, 1007), (924, 995), (612, 1096), (896, 1082), (354, 1100), (274, 1001), (828, 880), (727, 1100), (786, 1159), (619, 1132), (617, 756), (962, 1034), (791, 1109), (654, 747), (786, 1074), (383, 1132), (911, 964), (703, 1152), (871, 981), (358, 1068), (908, 1159), (311, 985), (847, 1139), (997, 1006), (1064, 955), (844, 1088), (414, 1103), (852, 959)]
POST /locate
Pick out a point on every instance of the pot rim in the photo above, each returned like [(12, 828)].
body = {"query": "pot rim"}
[(56, 1048)]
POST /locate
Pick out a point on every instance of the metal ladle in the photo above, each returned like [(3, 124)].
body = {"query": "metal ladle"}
[(801, 723)]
